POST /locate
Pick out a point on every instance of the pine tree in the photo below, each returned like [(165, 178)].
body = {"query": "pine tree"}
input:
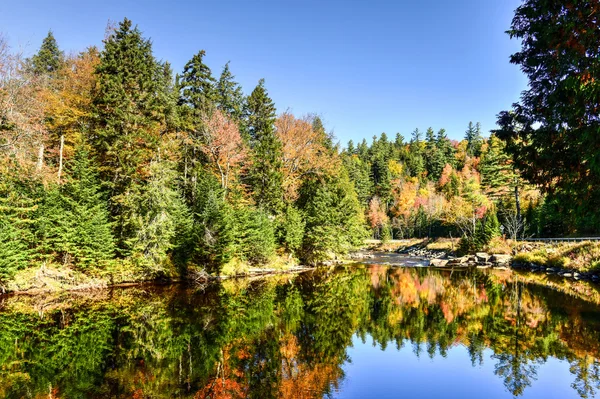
[(230, 98), (474, 139), (415, 160), (130, 106), (434, 158), (266, 175), (198, 90), (291, 230), (445, 148), (19, 200), (497, 174), (74, 217), (334, 220), (350, 147), (49, 57), (158, 216)]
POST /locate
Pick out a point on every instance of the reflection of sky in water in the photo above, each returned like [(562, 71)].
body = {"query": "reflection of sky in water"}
[(389, 373)]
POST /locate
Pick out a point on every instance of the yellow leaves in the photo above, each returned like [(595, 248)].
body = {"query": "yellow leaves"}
[(396, 169)]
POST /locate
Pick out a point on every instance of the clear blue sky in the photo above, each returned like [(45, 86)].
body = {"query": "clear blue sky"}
[(366, 66)]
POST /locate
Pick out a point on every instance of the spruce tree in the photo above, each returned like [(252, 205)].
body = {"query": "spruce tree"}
[(434, 158), (497, 174), (75, 225), (230, 98), (474, 139), (130, 106), (445, 148), (198, 91), (19, 200), (266, 175), (416, 160), (334, 219), (49, 57)]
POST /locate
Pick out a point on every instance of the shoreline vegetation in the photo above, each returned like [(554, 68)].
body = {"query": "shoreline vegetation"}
[(571, 261), (116, 169)]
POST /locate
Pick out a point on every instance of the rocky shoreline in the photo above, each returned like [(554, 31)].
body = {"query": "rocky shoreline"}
[(481, 260)]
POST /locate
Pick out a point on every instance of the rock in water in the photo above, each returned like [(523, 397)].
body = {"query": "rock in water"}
[(438, 262), (482, 257), (501, 259)]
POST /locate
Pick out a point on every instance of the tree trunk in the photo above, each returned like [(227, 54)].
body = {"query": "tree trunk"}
[(518, 205), (40, 162), (60, 156)]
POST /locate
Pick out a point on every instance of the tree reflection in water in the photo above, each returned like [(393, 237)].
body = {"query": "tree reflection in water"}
[(288, 337)]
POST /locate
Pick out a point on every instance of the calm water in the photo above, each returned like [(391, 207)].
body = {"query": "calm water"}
[(357, 332)]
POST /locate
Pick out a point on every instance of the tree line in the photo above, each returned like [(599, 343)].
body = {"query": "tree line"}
[(108, 156)]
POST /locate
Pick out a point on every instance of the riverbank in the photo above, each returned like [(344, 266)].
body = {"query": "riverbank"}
[(52, 278), (577, 260)]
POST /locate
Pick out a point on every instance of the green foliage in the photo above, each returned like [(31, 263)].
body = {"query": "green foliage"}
[(474, 139), (198, 91), (19, 201), (131, 101), (486, 229), (334, 224), (156, 220), (230, 98), (497, 174), (266, 175), (74, 221), (212, 234), (552, 133), (49, 57), (291, 229), (255, 235)]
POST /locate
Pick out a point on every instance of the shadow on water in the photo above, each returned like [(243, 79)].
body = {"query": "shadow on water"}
[(293, 336)]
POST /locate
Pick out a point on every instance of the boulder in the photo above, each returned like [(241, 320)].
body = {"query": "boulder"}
[(459, 261), (501, 259), (482, 257), (438, 262)]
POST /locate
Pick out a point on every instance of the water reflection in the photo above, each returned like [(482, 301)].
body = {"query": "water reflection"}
[(306, 336)]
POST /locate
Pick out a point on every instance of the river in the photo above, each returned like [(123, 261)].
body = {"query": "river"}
[(358, 331)]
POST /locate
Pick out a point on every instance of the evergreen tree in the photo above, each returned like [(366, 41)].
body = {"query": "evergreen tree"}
[(552, 133), (157, 214), (198, 89), (318, 127), (415, 160), (497, 174), (49, 57), (359, 172), (266, 174), (255, 235), (350, 148), (130, 118), (445, 148), (74, 217), (334, 221), (474, 139), (292, 229), (18, 218), (212, 240), (230, 98), (434, 158)]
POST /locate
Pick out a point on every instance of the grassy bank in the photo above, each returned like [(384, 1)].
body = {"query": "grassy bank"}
[(52, 277)]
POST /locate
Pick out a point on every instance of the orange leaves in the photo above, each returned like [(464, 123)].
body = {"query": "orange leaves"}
[(304, 151), (377, 215), (224, 146)]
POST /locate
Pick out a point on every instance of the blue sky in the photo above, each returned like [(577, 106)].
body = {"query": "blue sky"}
[(366, 66)]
